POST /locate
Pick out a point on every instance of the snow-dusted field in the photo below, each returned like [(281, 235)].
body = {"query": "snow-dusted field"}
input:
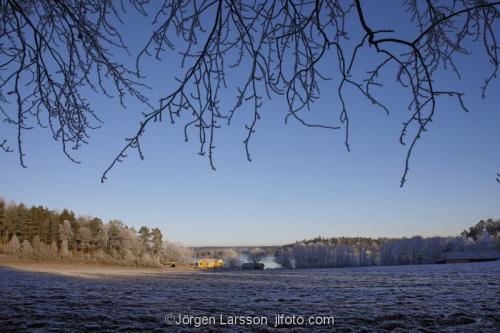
[(455, 298)]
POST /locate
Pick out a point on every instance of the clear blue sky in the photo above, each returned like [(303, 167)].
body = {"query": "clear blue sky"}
[(301, 183)]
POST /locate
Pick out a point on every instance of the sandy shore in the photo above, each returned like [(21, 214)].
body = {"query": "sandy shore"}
[(92, 271)]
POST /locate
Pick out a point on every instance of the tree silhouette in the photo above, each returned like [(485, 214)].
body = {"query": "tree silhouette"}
[(53, 49)]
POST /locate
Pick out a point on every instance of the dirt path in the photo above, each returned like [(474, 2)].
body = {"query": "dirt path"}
[(92, 270)]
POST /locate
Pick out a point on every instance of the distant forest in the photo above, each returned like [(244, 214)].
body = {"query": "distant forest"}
[(38, 233), (44, 234), (358, 251)]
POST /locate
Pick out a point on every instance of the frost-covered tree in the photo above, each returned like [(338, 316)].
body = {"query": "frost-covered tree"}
[(256, 255), (84, 238), (485, 241), (39, 250), (14, 247), (131, 245), (53, 249), (26, 249), (64, 250), (55, 234), (283, 258), (177, 252), (231, 258), (65, 232), (348, 252)]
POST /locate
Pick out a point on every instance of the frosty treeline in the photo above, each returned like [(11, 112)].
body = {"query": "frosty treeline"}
[(40, 233), (357, 251)]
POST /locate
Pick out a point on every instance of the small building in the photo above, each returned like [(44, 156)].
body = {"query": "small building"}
[(469, 256), (209, 263), (252, 265), (166, 263)]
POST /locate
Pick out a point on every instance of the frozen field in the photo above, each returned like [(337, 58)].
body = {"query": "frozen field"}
[(453, 298)]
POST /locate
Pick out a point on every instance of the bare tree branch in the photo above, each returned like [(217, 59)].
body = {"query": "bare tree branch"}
[(52, 49)]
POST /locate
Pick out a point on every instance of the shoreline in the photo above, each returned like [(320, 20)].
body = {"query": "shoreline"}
[(90, 270)]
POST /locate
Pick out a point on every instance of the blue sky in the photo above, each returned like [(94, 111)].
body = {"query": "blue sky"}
[(302, 183)]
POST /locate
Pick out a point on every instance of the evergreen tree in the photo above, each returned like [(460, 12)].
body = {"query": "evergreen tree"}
[(157, 239), (38, 216), (114, 235), (24, 225), (53, 231), (95, 226), (144, 236), (67, 216)]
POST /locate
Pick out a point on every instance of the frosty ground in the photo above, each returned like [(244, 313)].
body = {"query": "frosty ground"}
[(427, 298), (91, 271)]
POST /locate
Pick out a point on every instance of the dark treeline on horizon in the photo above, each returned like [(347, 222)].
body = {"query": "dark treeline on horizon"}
[(40, 233), (361, 251)]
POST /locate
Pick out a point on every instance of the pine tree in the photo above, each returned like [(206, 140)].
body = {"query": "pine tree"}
[(95, 226), (157, 239), (114, 235), (53, 232), (67, 216), (25, 227), (38, 216), (144, 236)]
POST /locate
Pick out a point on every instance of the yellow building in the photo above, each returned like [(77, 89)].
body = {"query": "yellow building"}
[(210, 263)]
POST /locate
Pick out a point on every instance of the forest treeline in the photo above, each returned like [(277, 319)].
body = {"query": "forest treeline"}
[(358, 251), (40, 233)]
